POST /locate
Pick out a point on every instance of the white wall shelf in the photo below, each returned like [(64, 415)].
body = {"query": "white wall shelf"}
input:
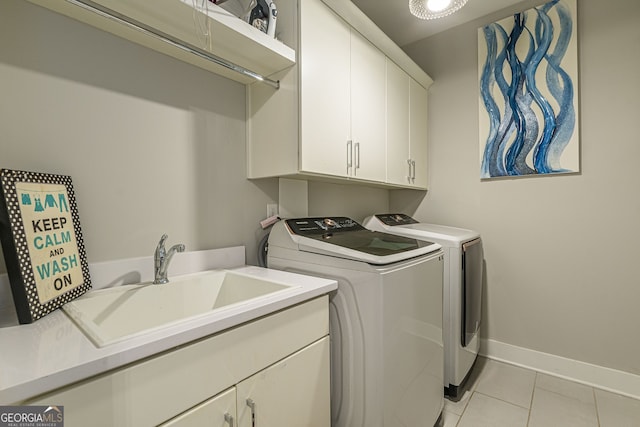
[(195, 36)]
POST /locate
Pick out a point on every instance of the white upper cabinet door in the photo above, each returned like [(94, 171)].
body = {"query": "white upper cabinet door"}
[(325, 106), (399, 166), (418, 134), (367, 109)]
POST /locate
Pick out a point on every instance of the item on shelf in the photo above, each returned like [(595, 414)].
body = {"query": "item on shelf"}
[(273, 14), (260, 15)]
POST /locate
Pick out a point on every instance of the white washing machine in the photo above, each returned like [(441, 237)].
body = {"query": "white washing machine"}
[(463, 267), (385, 318)]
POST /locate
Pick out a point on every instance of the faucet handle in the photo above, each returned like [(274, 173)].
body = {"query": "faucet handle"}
[(162, 259), (160, 247)]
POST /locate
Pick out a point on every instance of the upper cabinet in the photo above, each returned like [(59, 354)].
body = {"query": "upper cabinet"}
[(342, 98), (324, 106), (399, 167), (197, 32), (406, 129), (418, 134), (367, 109), (340, 113)]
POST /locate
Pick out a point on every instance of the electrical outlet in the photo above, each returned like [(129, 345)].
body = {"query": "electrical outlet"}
[(272, 209)]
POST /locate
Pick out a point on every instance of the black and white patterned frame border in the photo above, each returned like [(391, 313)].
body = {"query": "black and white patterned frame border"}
[(28, 305)]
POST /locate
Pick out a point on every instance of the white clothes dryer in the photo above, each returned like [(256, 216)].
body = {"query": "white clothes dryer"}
[(462, 302), (385, 318)]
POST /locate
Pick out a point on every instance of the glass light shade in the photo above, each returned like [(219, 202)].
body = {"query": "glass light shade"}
[(434, 9)]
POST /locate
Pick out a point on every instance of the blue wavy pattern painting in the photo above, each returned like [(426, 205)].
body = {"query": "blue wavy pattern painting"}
[(528, 99)]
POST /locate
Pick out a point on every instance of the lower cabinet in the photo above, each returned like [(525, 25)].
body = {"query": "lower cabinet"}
[(293, 392), (271, 372)]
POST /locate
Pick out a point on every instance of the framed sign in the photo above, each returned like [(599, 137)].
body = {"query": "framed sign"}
[(41, 241)]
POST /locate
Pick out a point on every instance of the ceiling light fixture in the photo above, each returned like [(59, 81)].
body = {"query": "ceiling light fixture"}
[(434, 9)]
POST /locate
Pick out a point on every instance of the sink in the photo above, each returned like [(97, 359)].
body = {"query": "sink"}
[(112, 315)]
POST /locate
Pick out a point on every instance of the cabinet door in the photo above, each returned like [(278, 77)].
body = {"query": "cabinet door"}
[(324, 90), (367, 109), (219, 411), (398, 157), (418, 134), (293, 392)]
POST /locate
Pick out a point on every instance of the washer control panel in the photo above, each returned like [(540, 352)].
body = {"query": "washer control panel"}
[(320, 225), (396, 219)]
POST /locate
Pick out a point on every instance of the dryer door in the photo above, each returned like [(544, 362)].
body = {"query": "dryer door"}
[(472, 259)]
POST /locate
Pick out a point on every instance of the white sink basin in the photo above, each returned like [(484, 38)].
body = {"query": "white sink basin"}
[(111, 315)]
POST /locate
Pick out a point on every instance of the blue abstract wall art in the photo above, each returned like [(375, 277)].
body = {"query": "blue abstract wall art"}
[(528, 72)]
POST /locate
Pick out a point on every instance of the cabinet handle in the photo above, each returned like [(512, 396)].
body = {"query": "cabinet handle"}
[(409, 175), (254, 418), (349, 154), (357, 151), (228, 419), (413, 175)]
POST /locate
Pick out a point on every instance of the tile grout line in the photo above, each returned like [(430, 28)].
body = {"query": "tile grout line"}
[(502, 400), (595, 403), (465, 407), (498, 399), (533, 392), (460, 417)]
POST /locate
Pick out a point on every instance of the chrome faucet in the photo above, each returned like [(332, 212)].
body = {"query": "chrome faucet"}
[(162, 258)]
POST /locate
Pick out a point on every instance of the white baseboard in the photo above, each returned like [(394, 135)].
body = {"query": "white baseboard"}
[(612, 380)]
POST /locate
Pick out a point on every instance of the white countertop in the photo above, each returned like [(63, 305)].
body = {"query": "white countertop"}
[(53, 352)]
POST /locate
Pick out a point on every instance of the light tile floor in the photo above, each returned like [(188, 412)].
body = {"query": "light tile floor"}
[(503, 395)]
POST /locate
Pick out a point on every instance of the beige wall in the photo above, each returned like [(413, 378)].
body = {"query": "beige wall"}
[(561, 252), (153, 145), (354, 201)]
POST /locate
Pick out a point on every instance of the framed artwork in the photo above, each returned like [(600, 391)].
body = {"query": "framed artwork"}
[(528, 78), (41, 241)]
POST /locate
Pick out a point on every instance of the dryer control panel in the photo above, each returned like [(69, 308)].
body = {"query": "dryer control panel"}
[(396, 219)]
